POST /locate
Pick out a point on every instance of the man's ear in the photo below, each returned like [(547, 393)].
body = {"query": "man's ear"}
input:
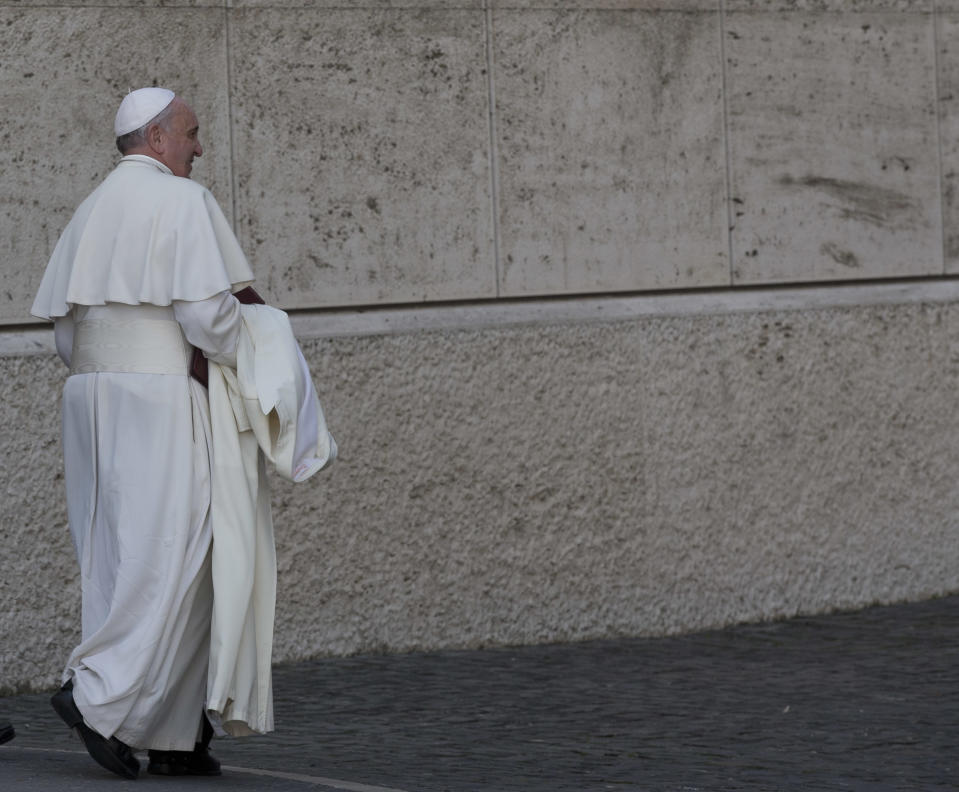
[(156, 138)]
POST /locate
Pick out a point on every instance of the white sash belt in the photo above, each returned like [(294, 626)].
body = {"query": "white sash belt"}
[(144, 346)]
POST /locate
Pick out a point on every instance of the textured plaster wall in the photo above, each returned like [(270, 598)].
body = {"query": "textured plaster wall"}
[(375, 152), (568, 481)]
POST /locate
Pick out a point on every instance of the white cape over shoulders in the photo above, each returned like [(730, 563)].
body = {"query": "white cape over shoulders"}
[(267, 407), (142, 236)]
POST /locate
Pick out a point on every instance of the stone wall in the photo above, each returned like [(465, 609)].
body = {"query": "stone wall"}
[(541, 464), (373, 152)]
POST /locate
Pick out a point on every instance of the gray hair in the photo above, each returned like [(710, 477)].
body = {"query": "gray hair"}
[(138, 137)]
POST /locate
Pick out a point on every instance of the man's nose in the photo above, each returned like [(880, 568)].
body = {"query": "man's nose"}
[(198, 149)]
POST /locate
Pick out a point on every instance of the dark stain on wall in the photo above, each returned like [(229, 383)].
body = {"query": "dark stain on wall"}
[(845, 257), (866, 202)]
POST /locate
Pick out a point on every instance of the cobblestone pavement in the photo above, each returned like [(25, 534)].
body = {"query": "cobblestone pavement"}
[(857, 701)]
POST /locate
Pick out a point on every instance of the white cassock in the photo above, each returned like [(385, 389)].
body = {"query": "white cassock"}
[(144, 269)]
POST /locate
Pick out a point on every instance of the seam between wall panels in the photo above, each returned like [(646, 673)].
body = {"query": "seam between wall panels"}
[(721, 10), (227, 25), (936, 38), (493, 148)]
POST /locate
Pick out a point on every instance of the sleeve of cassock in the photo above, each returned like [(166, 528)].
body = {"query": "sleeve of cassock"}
[(212, 325)]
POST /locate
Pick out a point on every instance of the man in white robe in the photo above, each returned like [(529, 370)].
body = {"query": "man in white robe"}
[(145, 269)]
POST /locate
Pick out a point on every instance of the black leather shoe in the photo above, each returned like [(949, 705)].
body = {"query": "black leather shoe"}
[(6, 733), (199, 761), (115, 756)]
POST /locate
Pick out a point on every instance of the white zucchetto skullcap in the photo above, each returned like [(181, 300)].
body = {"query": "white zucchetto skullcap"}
[(140, 106)]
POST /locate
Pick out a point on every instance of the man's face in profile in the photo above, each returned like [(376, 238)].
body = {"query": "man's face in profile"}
[(181, 140)]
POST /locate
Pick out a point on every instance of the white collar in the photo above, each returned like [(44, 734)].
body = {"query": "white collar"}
[(148, 160)]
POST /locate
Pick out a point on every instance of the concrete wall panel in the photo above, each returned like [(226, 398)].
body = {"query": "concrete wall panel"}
[(618, 5), (377, 4), (142, 4), (948, 44), (62, 76), (362, 154), (611, 151), (569, 481), (914, 6), (833, 146)]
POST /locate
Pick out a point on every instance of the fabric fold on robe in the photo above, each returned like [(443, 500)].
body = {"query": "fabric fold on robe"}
[(267, 408)]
